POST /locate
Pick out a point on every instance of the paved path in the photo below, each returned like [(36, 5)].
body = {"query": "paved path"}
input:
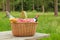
[(7, 35)]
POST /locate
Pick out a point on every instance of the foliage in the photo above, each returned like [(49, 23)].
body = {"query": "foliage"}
[(49, 4)]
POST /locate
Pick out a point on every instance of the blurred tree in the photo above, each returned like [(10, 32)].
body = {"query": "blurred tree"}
[(22, 4), (37, 2), (8, 5), (33, 5), (43, 9), (0, 5), (13, 5), (3, 5), (56, 7)]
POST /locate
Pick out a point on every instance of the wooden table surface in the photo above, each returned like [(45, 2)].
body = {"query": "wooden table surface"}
[(7, 35)]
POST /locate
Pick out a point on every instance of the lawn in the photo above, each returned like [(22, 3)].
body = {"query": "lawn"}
[(47, 23)]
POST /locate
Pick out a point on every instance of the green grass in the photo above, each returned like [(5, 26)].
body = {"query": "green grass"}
[(47, 23)]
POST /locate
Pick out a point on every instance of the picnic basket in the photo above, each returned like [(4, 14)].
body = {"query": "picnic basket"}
[(24, 28)]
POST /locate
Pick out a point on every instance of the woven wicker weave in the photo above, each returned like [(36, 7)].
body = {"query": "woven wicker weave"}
[(23, 29)]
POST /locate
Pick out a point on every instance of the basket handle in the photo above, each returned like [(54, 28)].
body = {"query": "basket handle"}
[(23, 14)]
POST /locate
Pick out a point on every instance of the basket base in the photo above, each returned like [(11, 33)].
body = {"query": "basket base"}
[(23, 35)]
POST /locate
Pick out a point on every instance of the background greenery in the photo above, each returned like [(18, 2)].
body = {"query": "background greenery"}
[(28, 4)]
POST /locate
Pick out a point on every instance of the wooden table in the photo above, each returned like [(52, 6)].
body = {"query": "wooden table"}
[(7, 35)]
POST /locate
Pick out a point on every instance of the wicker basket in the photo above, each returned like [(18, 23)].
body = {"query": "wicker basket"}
[(23, 29)]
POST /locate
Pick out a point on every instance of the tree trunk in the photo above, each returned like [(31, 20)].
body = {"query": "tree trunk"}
[(3, 6), (43, 6), (8, 5), (37, 2), (22, 5), (13, 6), (56, 7), (43, 10), (33, 4)]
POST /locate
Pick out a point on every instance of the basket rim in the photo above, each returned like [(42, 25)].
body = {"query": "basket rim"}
[(27, 22)]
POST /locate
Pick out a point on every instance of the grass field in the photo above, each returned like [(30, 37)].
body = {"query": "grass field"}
[(47, 23)]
